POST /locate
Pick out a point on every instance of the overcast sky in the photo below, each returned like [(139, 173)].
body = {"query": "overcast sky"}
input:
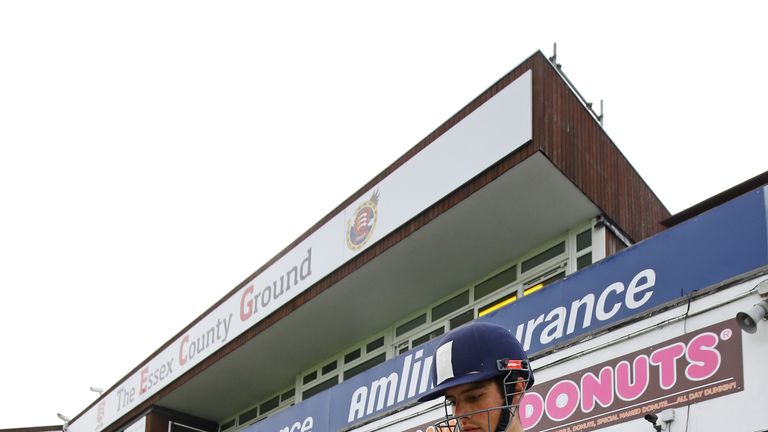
[(153, 154)]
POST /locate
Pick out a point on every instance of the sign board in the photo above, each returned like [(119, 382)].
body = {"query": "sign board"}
[(692, 368)]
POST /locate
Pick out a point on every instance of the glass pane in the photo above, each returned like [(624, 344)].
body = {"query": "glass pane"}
[(354, 355), (248, 415), (543, 257), (308, 378), (462, 319), (410, 325), (583, 261), (330, 367), (269, 405), (449, 306), (227, 425), (287, 395), (427, 337), (584, 240), (499, 281), (372, 346), (320, 387), (362, 367)]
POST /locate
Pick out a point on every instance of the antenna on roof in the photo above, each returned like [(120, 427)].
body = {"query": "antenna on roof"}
[(559, 68), (553, 59), (600, 117)]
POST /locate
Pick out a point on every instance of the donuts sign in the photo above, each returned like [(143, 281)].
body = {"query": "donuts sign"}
[(692, 368)]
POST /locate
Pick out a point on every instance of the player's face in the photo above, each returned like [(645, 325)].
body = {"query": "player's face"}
[(468, 398)]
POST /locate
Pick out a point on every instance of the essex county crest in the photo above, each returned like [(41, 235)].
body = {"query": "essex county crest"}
[(363, 221)]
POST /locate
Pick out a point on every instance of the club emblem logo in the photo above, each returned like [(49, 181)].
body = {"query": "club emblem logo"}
[(360, 227)]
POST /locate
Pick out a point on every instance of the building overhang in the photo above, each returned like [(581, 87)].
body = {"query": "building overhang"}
[(507, 217)]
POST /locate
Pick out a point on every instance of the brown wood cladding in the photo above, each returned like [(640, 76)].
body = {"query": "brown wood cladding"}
[(157, 422), (576, 143), (612, 244), (562, 129)]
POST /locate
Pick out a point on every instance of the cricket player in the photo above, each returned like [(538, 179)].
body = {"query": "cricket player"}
[(483, 373)]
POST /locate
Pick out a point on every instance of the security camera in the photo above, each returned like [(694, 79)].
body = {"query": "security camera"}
[(748, 320), (652, 418), (62, 417)]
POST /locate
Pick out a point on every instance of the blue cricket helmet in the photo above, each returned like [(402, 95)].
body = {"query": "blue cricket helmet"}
[(476, 351)]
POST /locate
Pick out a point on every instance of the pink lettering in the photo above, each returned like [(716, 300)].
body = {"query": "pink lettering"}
[(704, 359), (597, 389), (531, 410), (246, 304), (143, 384), (182, 357), (666, 359), (629, 390), (562, 400), (627, 380)]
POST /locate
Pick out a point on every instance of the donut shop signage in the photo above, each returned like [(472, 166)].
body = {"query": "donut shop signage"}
[(692, 368)]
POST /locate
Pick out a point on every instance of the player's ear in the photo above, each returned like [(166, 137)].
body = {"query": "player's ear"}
[(519, 388)]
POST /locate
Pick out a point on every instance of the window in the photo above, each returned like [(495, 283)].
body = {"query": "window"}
[(402, 347), (449, 306), (320, 387), (287, 396), (308, 378), (248, 415), (410, 325), (378, 343), (543, 257), (584, 261), (494, 283), (427, 337), (330, 367), (269, 405), (375, 353), (461, 319), (583, 240), (364, 366), (352, 356), (582, 251)]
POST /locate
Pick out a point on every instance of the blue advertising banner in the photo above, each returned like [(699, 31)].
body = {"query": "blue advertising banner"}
[(722, 243), (310, 415)]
